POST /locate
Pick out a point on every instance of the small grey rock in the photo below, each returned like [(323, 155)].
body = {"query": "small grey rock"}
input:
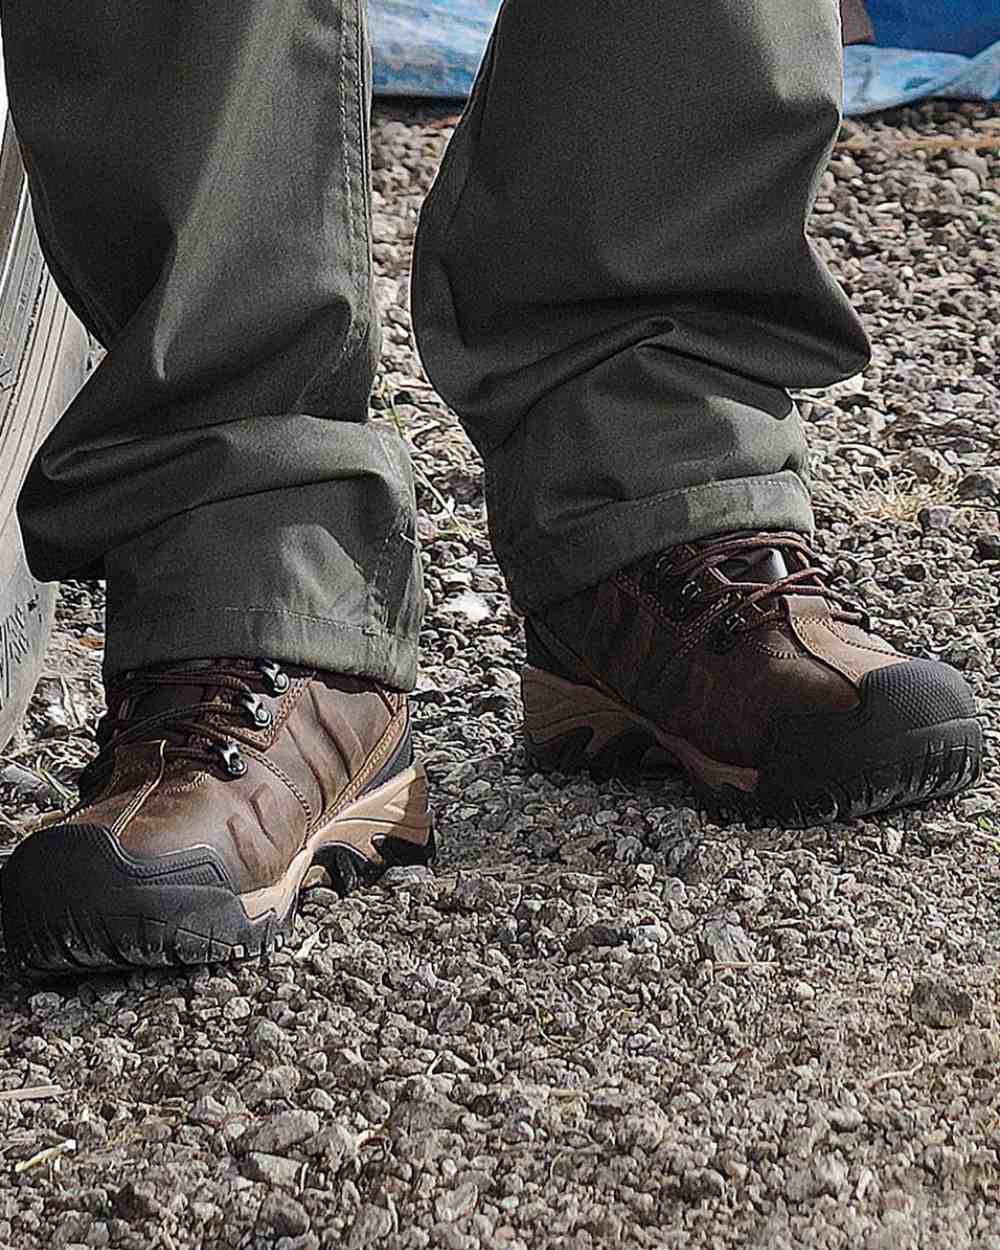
[(335, 1143), (475, 893), (404, 875), (608, 1104), (937, 518), (723, 942), (628, 849), (988, 545), (371, 1225), (963, 158), (280, 1132), (267, 1040), (801, 1184), (283, 1215), (980, 1048), (467, 605), (648, 937), (137, 1200), (208, 1111), (699, 1183), (967, 180), (455, 1204), (28, 784), (925, 465), (980, 484), (939, 1004), (454, 1017), (599, 934), (845, 1119), (45, 1002), (271, 1169), (831, 1175)]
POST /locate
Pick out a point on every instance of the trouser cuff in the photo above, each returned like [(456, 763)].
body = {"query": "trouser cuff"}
[(263, 632), (542, 570), (325, 575)]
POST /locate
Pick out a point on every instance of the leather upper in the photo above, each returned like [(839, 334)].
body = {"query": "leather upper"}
[(705, 658), (169, 789)]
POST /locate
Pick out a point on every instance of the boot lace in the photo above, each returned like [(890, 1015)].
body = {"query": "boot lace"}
[(190, 731), (673, 579)]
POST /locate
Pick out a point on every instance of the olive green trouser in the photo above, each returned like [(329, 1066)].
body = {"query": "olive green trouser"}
[(612, 287)]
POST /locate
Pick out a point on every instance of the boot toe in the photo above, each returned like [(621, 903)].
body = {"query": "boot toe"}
[(913, 736), (916, 694), (74, 900)]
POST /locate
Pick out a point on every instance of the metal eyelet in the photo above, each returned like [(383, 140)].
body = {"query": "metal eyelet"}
[(260, 713), (278, 681), (722, 636), (233, 762), (655, 573), (720, 640), (685, 603), (690, 591)]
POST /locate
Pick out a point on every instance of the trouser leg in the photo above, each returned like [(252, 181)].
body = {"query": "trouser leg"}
[(199, 178), (613, 286)]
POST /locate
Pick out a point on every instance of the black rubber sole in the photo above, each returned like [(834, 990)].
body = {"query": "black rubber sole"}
[(911, 768), (148, 921)]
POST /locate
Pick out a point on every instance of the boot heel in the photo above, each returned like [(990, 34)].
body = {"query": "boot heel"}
[(569, 726), (395, 817)]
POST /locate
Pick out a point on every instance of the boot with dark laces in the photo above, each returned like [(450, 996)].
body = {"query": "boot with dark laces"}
[(735, 658), (218, 786)]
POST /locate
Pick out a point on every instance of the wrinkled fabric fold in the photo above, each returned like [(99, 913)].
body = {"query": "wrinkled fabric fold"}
[(613, 285), (199, 175)]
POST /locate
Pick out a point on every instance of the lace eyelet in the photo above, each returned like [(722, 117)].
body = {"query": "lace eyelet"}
[(232, 761), (721, 640), (686, 602), (260, 713), (722, 637), (278, 681), (655, 573)]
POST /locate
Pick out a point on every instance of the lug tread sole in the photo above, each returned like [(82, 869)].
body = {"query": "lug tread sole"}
[(93, 942), (929, 764), (943, 769), (73, 940)]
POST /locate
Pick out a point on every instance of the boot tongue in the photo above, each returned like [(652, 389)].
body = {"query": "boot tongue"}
[(762, 565), (166, 698)]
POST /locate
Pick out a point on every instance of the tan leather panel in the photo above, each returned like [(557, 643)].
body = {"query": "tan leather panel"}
[(813, 624), (327, 738)]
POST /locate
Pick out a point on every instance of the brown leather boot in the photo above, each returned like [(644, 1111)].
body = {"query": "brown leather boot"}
[(735, 658), (220, 783)]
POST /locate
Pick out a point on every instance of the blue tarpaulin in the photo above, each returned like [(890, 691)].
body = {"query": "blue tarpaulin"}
[(923, 48)]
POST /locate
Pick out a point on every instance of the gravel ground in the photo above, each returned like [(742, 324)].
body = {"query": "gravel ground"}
[(604, 1021)]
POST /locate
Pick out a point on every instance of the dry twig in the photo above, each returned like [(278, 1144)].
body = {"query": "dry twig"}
[(29, 1092), (45, 1156)]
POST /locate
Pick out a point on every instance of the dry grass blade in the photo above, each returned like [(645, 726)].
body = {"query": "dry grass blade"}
[(28, 1093), (50, 1155), (894, 498)]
